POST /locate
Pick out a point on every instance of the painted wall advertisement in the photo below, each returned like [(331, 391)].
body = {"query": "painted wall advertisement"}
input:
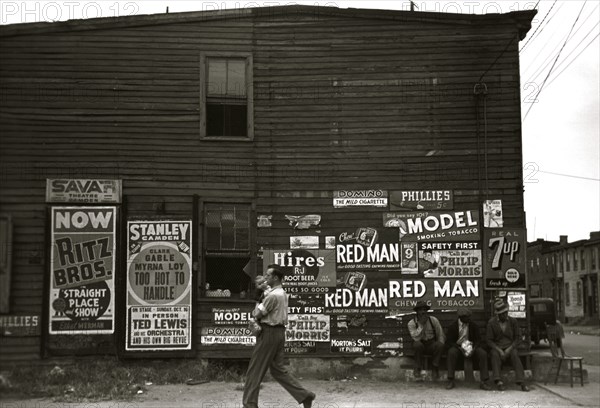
[(311, 327), (413, 200), (439, 293), (82, 261), (159, 282), (367, 248), (306, 270), (227, 335), (450, 259), (435, 226), (360, 198), (505, 264)]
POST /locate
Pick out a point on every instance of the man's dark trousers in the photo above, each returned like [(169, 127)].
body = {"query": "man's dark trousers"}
[(454, 354), (268, 353), (516, 363), (433, 347)]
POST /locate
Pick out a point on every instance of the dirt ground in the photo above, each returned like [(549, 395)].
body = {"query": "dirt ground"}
[(330, 394)]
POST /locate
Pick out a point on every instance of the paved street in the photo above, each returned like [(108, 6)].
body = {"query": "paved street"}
[(582, 345)]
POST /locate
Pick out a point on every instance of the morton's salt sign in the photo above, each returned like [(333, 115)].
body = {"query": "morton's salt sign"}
[(428, 226)]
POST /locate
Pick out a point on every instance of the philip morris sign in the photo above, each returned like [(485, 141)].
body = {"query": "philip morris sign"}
[(429, 226)]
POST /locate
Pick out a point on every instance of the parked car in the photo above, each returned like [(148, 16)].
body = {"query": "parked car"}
[(542, 312)]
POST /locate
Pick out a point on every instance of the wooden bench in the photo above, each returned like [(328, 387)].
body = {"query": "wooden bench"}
[(468, 363)]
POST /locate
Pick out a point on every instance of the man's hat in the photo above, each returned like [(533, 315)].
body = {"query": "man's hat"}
[(463, 312), (500, 306), (421, 305)]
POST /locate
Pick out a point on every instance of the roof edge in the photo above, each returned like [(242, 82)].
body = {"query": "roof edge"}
[(522, 19)]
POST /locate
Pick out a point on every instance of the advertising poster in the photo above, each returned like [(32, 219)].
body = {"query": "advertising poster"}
[(492, 214), (227, 335), (360, 198), (20, 325), (505, 266), (351, 346), (430, 226), (450, 260), (312, 327), (409, 258), (365, 301), (304, 242), (516, 305), (82, 262), (413, 200), (300, 347), (83, 191), (306, 270), (159, 281), (440, 294), (232, 316), (367, 249)]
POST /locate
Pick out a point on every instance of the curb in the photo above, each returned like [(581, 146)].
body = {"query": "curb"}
[(537, 384)]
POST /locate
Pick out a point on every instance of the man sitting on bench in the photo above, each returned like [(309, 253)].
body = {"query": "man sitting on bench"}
[(428, 337), (464, 342), (503, 337)]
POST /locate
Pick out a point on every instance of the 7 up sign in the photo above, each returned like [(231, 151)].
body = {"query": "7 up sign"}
[(504, 254)]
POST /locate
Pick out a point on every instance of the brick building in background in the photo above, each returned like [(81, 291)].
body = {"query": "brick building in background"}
[(568, 273)]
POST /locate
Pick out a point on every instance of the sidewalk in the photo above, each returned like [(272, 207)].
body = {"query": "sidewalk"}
[(588, 395), (348, 394)]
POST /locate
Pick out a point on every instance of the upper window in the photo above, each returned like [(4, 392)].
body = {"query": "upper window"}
[(582, 259), (226, 97)]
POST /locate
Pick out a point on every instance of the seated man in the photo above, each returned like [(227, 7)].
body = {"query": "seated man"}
[(503, 337), (464, 342), (428, 337)]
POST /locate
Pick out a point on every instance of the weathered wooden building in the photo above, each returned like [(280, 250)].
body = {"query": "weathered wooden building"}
[(349, 138)]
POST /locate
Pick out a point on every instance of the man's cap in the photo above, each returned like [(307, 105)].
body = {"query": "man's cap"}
[(421, 305), (500, 306), (463, 312)]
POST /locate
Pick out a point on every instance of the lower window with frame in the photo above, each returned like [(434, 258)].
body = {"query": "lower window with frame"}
[(227, 250)]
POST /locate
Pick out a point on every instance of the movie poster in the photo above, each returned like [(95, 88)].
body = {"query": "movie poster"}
[(82, 261), (159, 283)]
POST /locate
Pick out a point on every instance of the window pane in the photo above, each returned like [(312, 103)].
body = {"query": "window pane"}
[(236, 77), (235, 120), (215, 118), (217, 77), (213, 230), (242, 228), (227, 235)]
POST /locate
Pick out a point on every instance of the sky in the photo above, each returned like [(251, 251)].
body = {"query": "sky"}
[(560, 69)]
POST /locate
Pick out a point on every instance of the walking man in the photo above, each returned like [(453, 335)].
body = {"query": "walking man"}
[(268, 352), (464, 342), (503, 337), (428, 337)]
